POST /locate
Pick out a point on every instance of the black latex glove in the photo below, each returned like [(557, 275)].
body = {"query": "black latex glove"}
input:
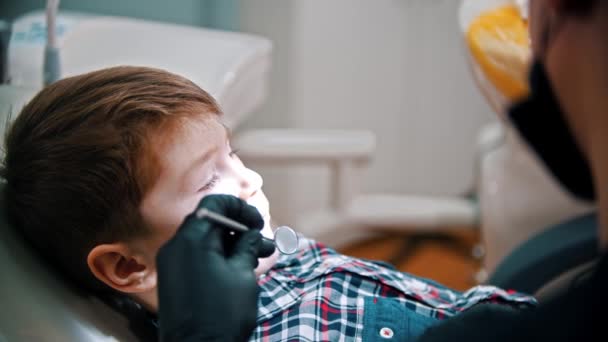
[(207, 288)]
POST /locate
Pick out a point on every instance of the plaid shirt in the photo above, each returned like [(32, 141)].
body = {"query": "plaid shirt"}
[(321, 295)]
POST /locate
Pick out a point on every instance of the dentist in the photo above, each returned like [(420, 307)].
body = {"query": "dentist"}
[(208, 292), (565, 121)]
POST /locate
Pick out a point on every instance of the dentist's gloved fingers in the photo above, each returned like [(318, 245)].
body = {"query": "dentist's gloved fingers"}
[(199, 233), (246, 250), (266, 249), (206, 234), (234, 208), (206, 281)]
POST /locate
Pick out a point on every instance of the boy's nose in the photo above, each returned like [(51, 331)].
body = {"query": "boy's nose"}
[(250, 183)]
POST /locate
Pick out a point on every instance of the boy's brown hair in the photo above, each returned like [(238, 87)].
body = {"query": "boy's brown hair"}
[(78, 160)]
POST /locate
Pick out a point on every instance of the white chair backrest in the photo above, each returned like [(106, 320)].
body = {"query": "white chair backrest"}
[(37, 305)]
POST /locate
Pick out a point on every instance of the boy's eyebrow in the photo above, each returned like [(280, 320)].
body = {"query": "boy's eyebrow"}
[(228, 132), (202, 159)]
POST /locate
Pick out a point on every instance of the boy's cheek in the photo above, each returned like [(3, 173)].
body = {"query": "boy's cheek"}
[(267, 231), (226, 186)]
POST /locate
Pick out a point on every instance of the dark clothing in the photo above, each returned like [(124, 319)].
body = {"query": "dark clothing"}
[(578, 315)]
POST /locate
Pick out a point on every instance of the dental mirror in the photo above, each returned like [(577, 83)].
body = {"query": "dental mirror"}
[(285, 238)]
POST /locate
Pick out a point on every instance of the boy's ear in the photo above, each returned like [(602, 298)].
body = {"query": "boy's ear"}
[(117, 266)]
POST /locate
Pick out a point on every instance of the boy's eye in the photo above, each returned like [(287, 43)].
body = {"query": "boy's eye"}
[(210, 184)]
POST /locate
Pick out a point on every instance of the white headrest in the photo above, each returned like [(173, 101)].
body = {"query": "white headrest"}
[(231, 66)]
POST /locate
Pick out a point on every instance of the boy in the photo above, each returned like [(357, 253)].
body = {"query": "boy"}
[(102, 168)]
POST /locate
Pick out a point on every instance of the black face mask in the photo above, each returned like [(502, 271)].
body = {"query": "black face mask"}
[(540, 121)]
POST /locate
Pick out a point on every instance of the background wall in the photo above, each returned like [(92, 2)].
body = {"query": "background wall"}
[(211, 13), (395, 67)]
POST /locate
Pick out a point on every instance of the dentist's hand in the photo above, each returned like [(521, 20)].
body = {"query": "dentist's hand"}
[(207, 289)]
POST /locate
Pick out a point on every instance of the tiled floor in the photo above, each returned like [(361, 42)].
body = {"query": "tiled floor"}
[(444, 258)]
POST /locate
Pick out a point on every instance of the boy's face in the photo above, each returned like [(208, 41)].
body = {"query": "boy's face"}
[(196, 161)]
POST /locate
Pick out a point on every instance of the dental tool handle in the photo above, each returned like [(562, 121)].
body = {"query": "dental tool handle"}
[(217, 218), (268, 245), (5, 36), (51, 66)]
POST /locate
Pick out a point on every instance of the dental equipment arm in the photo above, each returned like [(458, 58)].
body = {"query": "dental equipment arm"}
[(207, 288), (52, 65)]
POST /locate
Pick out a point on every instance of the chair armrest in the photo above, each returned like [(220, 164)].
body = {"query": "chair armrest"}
[(301, 145), (346, 152)]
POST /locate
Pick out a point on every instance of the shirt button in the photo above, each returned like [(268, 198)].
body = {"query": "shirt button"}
[(386, 333)]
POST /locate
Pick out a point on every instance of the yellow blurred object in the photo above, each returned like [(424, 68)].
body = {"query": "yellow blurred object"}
[(499, 43)]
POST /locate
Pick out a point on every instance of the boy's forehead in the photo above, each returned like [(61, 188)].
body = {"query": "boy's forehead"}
[(190, 137), (207, 126)]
